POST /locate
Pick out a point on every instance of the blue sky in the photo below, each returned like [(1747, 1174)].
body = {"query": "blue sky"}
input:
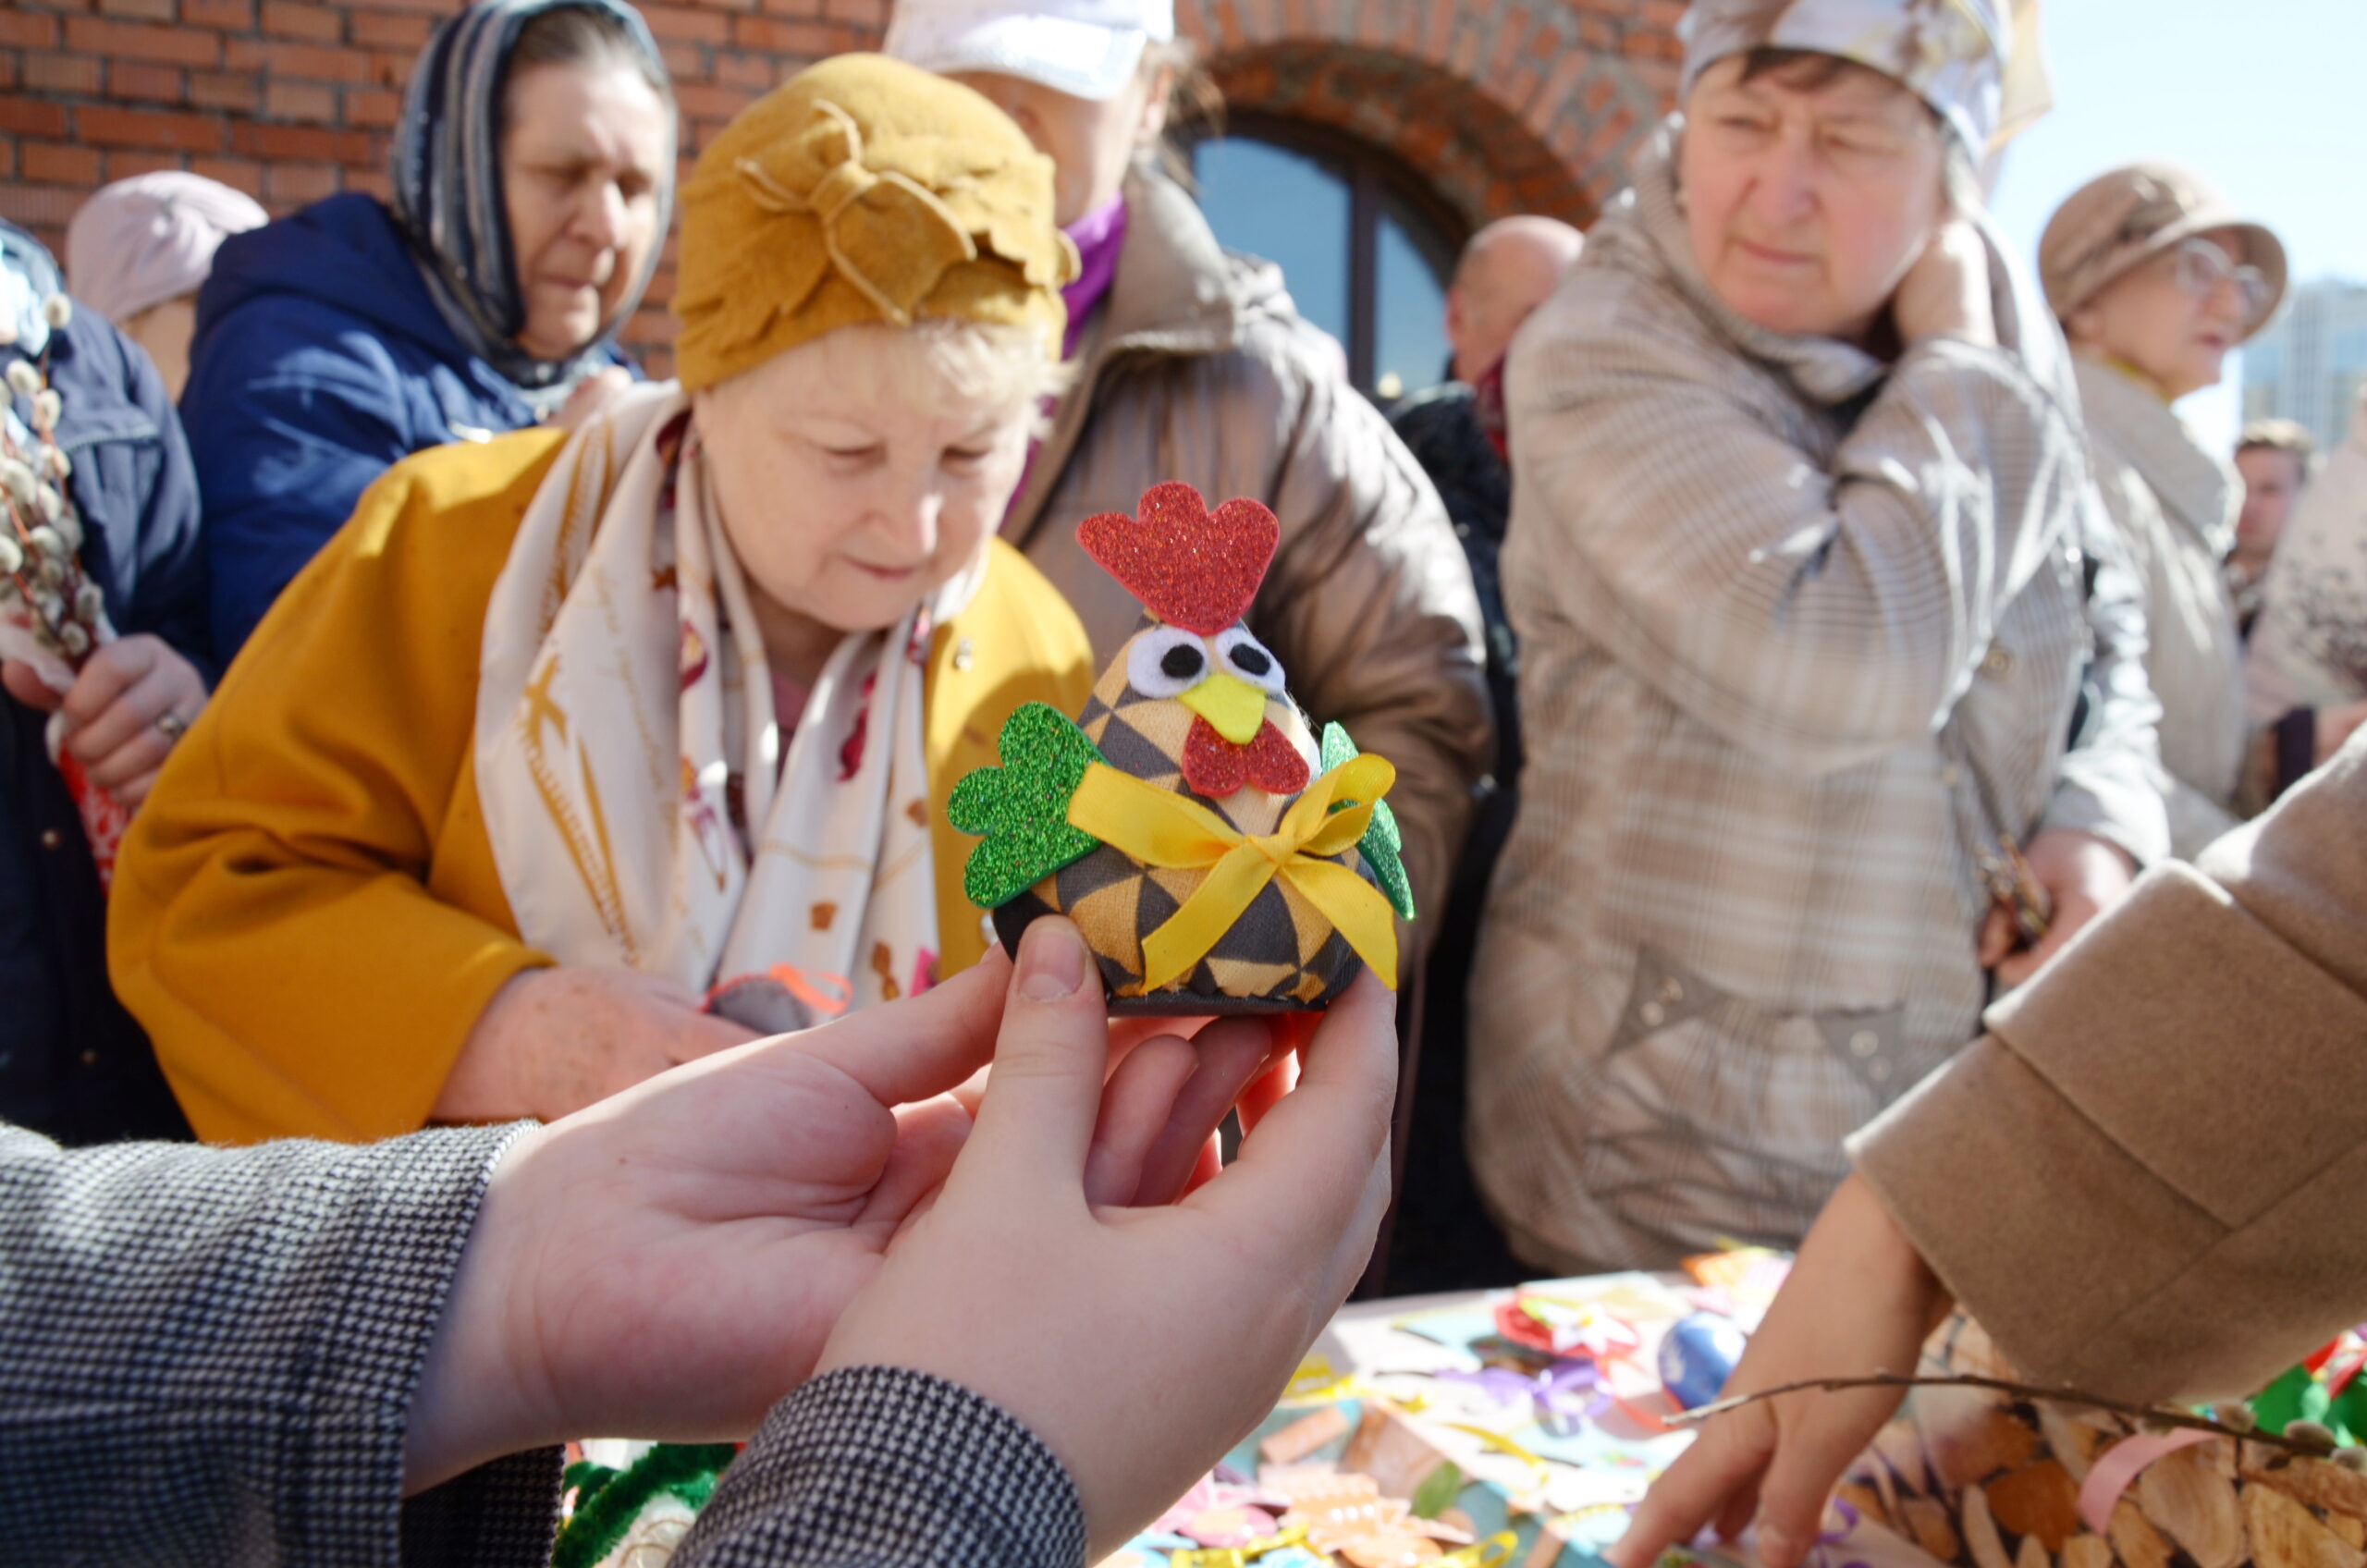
[(2268, 98)]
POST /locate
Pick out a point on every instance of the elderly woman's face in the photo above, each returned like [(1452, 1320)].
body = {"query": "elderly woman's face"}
[(847, 500), (581, 161), (2173, 316), (1806, 207)]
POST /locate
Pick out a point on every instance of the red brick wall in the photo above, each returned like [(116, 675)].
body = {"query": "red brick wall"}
[(1506, 105)]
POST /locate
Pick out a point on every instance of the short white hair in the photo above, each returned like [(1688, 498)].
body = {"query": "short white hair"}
[(941, 364)]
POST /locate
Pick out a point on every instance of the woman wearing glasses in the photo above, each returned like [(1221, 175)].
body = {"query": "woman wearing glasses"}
[(2154, 279)]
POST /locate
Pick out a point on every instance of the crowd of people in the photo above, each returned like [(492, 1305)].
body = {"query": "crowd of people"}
[(501, 810)]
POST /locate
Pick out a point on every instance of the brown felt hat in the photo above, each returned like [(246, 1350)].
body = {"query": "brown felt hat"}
[(2118, 220), (862, 190)]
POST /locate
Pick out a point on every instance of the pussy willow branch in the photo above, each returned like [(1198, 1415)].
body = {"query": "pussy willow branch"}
[(2155, 1415)]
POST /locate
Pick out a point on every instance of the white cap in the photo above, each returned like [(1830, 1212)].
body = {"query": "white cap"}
[(1085, 48)]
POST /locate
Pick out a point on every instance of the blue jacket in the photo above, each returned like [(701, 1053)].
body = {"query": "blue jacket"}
[(319, 361), (72, 1062)]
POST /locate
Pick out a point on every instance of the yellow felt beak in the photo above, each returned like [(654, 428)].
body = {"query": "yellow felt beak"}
[(1233, 708)]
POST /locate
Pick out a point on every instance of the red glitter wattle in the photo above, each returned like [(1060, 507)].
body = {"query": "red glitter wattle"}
[(1190, 567), (1215, 768)]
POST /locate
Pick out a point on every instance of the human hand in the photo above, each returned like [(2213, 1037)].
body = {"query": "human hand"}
[(114, 709), (1945, 293), (1244, 1065), (669, 1262), (1859, 1301), (591, 395), (1076, 1318), (2083, 875), (2335, 726), (553, 1041)]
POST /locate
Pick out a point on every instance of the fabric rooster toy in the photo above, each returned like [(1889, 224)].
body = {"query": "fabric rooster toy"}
[(1215, 859)]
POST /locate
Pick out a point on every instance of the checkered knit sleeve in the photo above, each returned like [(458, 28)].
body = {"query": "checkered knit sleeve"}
[(208, 1355), (880, 1467)]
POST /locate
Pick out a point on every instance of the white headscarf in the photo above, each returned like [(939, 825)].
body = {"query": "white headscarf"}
[(142, 242), (1954, 55)]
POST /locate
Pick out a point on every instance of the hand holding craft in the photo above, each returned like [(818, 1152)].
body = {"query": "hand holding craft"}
[(670, 1261), (1859, 1301), (1182, 821), (1078, 1317)]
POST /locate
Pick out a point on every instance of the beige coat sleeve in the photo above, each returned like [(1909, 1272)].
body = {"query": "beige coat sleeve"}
[(1369, 605), (2146, 1181), (1816, 615)]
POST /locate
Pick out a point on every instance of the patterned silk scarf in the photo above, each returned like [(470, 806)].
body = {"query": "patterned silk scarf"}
[(630, 762)]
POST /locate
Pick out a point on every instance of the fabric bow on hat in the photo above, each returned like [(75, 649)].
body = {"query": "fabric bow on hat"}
[(864, 190), (887, 234)]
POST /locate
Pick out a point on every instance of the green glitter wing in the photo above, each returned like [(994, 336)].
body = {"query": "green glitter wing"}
[(612, 1499), (1021, 809), (1382, 845)]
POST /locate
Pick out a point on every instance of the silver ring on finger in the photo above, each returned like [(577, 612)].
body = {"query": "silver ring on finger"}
[(173, 726)]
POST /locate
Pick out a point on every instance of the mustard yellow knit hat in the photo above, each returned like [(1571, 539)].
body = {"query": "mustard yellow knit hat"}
[(862, 190)]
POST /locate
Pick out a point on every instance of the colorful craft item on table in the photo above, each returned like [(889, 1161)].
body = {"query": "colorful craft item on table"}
[(2325, 1389), (1698, 1356), (1565, 1328), (1983, 1475), (1563, 1396), (1236, 1526), (1214, 855), (1345, 1516), (1210, 1497), (1738, 1281), (1304, 1436), (1828, 1553)]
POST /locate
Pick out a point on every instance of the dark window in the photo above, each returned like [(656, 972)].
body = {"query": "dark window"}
[(1366, 249)]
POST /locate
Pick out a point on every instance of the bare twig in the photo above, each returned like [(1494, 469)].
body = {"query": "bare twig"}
[(2152, 1416)]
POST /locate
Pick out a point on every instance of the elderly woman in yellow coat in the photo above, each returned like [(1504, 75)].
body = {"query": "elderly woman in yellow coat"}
[(575, 758)]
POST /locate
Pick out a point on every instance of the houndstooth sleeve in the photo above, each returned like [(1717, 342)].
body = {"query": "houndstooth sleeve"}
[(208, 1355), (880, 1467)]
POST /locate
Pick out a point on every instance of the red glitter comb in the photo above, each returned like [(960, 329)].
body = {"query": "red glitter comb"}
[(1189, 566)]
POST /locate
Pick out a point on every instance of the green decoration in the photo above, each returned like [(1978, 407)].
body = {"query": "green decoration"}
[(1384, 845), (2348, 1413), (604, 1512), (2295, 1396), (1438, 1492), (585, 1479), (1021, 809)]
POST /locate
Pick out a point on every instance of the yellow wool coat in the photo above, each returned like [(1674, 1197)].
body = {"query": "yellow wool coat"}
[(306, 913)]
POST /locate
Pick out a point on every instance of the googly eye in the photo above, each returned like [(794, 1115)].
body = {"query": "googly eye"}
[(1241, 655), (1166, 661)]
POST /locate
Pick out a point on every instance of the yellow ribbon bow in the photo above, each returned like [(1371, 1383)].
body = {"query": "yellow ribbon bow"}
[(873, 224), (1160, 829)]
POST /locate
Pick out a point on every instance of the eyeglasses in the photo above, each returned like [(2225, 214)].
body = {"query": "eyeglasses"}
[(2202, 267)]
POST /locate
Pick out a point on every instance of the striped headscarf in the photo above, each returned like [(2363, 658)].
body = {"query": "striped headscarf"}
[(448, 194)]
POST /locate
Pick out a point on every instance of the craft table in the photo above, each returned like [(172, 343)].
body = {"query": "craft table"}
[(1543, 1468)]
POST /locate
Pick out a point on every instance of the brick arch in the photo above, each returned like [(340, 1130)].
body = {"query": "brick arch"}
[(1504, 105)]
